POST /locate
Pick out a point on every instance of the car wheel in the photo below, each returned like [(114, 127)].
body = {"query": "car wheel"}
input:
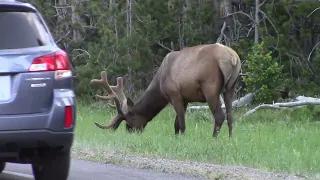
[(53, 167), (2, 166)]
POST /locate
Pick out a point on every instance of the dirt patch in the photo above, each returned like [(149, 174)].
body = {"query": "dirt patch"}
[(204, 170)]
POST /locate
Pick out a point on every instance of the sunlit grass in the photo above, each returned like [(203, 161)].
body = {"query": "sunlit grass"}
[(280, 141)]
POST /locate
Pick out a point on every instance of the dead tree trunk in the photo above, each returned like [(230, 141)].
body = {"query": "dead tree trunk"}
[(256, 27), (223, 21), (129, 30), (75, 18), (182, 19), (217, 22)]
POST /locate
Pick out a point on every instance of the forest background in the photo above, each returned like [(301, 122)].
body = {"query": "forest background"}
[(277, 40)]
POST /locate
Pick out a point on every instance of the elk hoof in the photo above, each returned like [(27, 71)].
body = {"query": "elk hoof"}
[(215, 134)]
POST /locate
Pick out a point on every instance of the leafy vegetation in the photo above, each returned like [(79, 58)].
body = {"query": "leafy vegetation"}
[(264, 74), (130, 38), (279, 141)]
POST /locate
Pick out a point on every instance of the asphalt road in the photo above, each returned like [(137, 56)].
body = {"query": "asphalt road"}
[(86, 170)]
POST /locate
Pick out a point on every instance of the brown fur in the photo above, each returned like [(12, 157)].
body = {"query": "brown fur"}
[(194, 74)]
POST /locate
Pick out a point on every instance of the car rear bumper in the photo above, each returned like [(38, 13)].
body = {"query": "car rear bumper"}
[(52, 120), (12, 141), (24, 136)]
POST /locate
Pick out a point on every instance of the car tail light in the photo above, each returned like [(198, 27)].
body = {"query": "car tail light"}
[(68, 117), (57, 61)]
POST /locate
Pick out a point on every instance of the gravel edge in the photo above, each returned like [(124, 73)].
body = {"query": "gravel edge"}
[(188, 168)]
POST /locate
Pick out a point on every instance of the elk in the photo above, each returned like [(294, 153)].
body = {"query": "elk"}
[(194, 74)]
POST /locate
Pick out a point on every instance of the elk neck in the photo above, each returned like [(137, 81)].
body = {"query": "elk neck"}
[(151, 102)]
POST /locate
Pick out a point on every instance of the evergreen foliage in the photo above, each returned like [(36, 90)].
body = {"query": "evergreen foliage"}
[(130, 38), (264, 74)]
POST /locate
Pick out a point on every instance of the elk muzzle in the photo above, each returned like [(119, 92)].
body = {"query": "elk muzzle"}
[(132, 129)]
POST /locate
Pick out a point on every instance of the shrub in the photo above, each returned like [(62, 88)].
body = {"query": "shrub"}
[(263, 74)]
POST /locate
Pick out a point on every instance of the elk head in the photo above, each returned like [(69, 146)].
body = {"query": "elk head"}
[(124, 105)]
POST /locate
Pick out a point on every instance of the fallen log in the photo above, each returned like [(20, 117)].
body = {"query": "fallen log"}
[(297, 102), (245, 100)]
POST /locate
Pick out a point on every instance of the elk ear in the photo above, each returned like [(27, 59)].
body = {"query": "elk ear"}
[(130, 103)]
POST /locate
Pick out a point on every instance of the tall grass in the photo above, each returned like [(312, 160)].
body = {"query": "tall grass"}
[(279, 141)]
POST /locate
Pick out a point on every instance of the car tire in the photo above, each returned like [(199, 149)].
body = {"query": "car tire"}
[(53, 167), (2, 166)]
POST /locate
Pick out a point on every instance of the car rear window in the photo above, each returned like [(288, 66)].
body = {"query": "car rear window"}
[(21, 29)]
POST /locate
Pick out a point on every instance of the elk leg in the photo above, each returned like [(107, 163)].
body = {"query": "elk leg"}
[(176, 125), (228, 95), (179, 106), (176, 122), (219, 117), (211, 94)]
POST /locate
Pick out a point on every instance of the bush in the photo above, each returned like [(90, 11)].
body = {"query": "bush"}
[(263, 74)]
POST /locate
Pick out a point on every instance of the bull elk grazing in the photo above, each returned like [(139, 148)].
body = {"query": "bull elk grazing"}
[(194, 74)]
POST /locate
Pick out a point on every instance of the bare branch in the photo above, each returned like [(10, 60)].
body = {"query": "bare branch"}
[(83, 52), (278, 39), (159, 43), (313, 11), (139, 19), (222, 32), (67, 34), (243, 13), (250, 29), (62, 7), (262, 3), (314, 47)]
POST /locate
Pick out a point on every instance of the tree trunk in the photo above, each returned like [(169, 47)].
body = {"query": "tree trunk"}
[(129, 30), (227, 8), (217, 22), (223, 20), (76, 20), (256, 27)]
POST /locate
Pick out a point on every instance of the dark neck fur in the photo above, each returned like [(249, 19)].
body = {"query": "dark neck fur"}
[(151, 102)]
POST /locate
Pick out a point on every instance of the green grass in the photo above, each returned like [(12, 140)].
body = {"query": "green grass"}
[(278, 141)]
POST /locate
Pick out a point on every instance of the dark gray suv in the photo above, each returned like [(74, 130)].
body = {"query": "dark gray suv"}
[(37, 99)]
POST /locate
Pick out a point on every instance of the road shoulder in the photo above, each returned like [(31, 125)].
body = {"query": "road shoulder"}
[(195, 169)]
